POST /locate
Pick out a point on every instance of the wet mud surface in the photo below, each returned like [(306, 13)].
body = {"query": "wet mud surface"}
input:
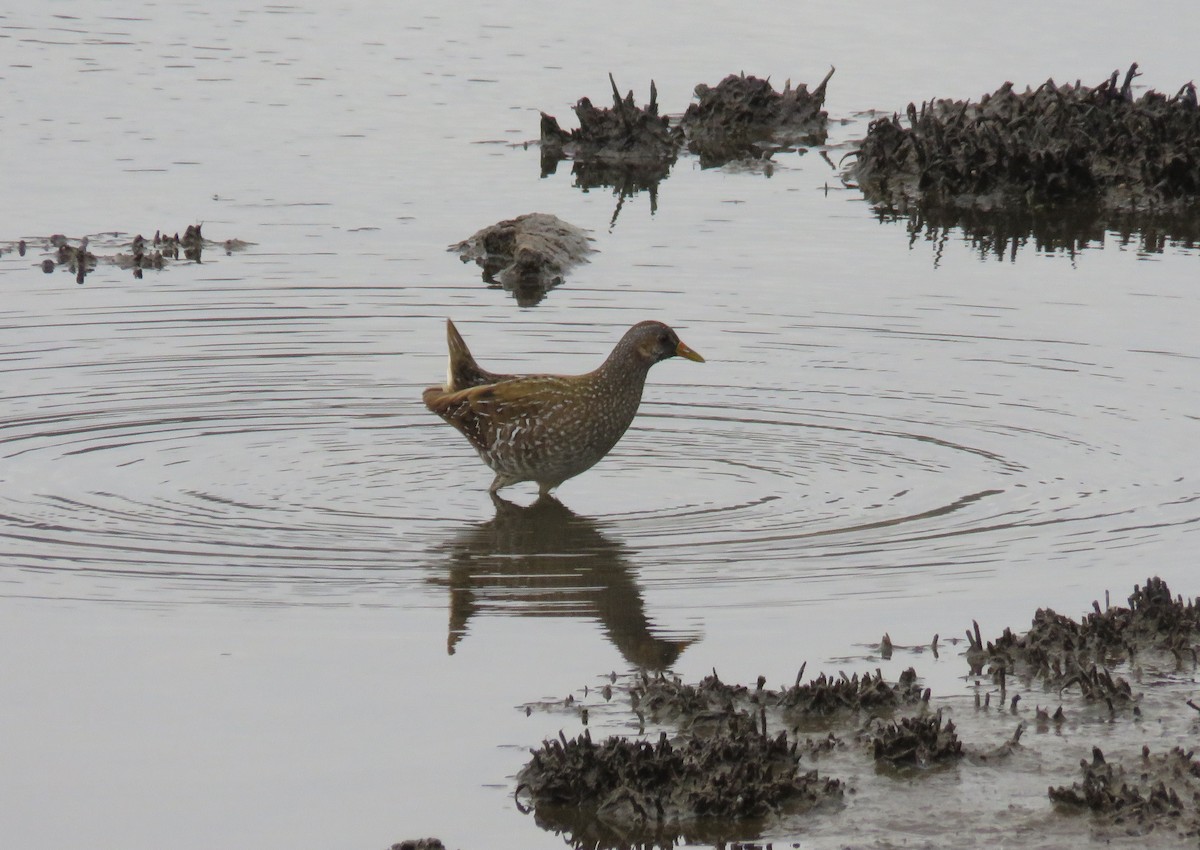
[(716, 762)]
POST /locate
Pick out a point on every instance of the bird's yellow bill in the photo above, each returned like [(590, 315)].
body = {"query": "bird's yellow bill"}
[(683, 351)]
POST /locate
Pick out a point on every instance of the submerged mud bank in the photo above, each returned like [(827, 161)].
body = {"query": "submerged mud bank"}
[(732, 762), (527, 255)]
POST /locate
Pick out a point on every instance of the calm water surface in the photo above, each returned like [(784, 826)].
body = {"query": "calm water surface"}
[(253, 594)]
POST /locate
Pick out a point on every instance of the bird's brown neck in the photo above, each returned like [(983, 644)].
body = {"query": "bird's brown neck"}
[(623, 371)]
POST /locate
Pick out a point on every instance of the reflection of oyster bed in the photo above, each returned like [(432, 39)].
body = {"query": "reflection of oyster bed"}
[(1002, 233)]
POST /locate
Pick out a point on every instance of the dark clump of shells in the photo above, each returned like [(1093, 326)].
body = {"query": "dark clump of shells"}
[(917, 741), (662, 789), (708, 704), (1053, 145), (829, 695), (744, 117), (632, 148), (1065, 652), (624, 133), (1142, 797), (711, 701), (627, 147)]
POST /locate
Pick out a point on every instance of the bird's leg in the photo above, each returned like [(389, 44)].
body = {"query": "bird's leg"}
[(502, 480)]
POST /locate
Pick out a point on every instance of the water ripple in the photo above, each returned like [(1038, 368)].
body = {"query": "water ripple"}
[(236, 443)]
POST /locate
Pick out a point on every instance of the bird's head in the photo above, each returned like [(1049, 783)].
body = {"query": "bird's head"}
[(654, 341)]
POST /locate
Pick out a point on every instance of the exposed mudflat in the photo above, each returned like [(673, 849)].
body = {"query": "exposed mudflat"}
[(805, 762)]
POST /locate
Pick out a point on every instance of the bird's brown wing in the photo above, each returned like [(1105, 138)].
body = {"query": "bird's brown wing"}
[(485, 413)]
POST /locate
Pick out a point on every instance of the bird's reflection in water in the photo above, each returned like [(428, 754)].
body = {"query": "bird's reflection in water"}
[(543, 560)]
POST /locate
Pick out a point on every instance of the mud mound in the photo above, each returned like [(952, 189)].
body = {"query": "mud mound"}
[(527, 255), (724, 779)]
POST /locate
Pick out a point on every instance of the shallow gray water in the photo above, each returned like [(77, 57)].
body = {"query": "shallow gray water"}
[(253, 592)]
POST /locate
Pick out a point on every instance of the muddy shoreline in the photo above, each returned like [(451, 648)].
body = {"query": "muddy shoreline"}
[(714, 762)]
